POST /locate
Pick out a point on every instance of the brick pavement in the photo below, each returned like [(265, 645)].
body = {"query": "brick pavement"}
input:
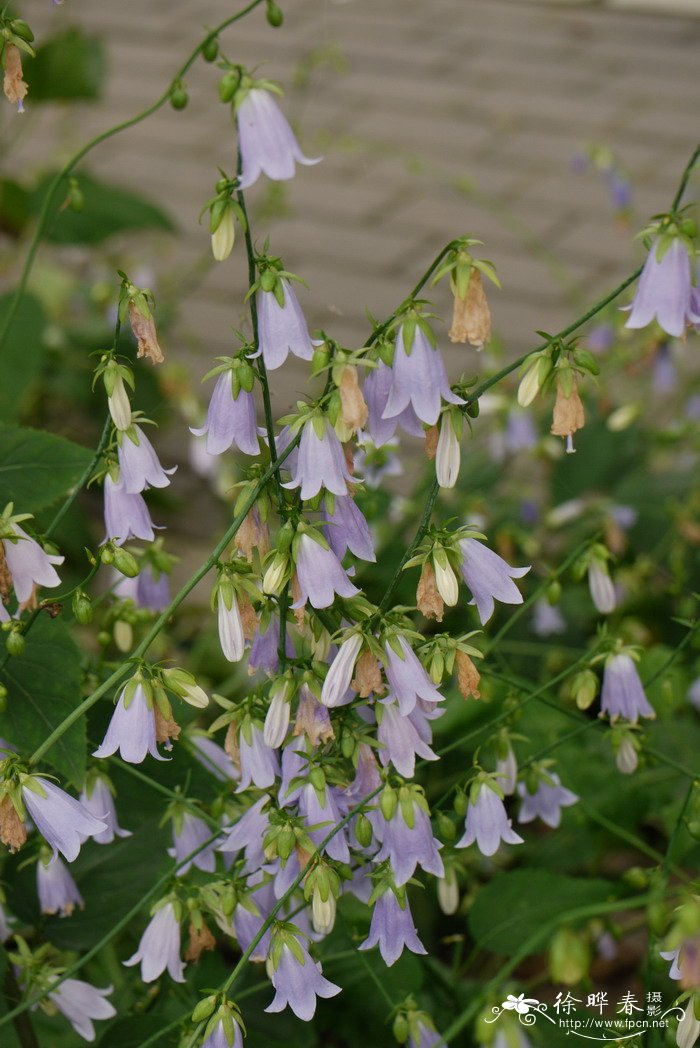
[(408, 101)]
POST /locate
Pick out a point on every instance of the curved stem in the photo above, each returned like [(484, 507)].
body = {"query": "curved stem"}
[(71, 164)]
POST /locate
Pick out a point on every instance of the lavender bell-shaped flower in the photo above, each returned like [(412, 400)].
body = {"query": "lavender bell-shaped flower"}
[(231, 421), (282, 327), (400, 741), (259, 763), (320, 462), (320, 575), (57, 891), (80, 1003), (547, 619), (159, 947), (407, 846), (298, 981), (488, 577), (266, 141), (419, 379), (320, 808), (487, 822), (546, 802), (98, 800), (230, 625), (348, 530), (146, 590), (190, 833), (337, 682), (60, 819), (214, 758), (138, 463), (665, 289), (218, 1037), (392, 928), (622, 694), (29, 565), (428, 1037), (126, 516), (264, 649), (376, 392), (247, 835), (132, 729), (408, 680)]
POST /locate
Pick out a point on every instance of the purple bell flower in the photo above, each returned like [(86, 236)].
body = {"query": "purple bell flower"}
[(419, 379), (132, 729), (623, 693), (264, 653), (259, 763), (664, 291), (409, 846), (299, 983), (247, 835), (139, 466), (126, 516), (546, 802), (487, 823), (218, 1039), (428, 1037), (267, 143), (189, 833), (60, 819), (337, 683), (407, 678), (145, 590), (376, 392), (392, 929), (214, 758), (320, 575), (348, 530), (320, 462), (488, 577), (324, 812), (400, 741), (97, 799), (246, 925), (57, 891), (80, 1003), (159, 947), (29, 565), (547, 619), (231, 422), (693, 695), (281, 329)]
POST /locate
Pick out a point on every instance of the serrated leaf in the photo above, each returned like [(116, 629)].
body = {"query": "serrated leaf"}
[(43, 686), (515, 905), (36, 468)]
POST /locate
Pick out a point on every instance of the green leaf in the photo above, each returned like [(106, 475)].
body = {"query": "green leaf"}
[(69, 66), (22, 353), (14, 207), (36, 468), (107, 210), (515, 905), (43, 686)]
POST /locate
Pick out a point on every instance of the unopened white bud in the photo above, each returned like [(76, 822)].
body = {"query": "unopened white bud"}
[(119, 405), (277, 718), (529, 385), (340, 673), (447, 458), (446, 582), (323, 913), (123, 635), (689, 1027), (626, 758), (274, 577), (448, 892), (601, 587), (222, 239)]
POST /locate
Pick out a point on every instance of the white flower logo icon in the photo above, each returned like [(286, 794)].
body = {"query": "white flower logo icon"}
[(520, 1004)]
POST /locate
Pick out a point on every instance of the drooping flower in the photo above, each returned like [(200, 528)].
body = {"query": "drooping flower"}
[(218, 1038), (407, 679), (132, 729), (448, 454), (247, 835), (282, 327), (392, 928), (419, 379), (471, 316), (547, 619), (664, 292), (57, 891), (277, 717), (298, 981), (320, 574), (139, 464), (507, 770), (400, 741), (546, 802), (190, 833), (230, 420), (159, 947), (81, 1003), (29, 565), (230, 625), (407, 844), (126, 516), (98, 800), (214, 758), (143, 326), (337, 682), (320, 462), (14, 85), (377, 388), (425, 1036), (319, 807), (60, 819), (622, 694), (488, 577), (259, 763), (146, 590), (487, 822), (601, 587), (348, 530), (266, 141)]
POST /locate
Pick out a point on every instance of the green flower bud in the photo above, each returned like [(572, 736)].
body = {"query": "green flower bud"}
[(363, 831), (20, 28), (445, 827), (400, 1028), (204, 1009), (210, 51), (126, 563), (3, 698), (228, 85), (14, 643), (473, 409), (569, 957), (275, 16), (82, 607), (178, 96)]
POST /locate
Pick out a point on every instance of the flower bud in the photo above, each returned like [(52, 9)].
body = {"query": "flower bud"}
[(178, 96), (125, 562), (275, 17), (277, 718), (448, 457), (448, 892), (626, 758), (82, 607), (323, 912), (446, 581), (204, 1009), (569, 957), (119, 405), (14, 643), (400, 1028), (363, 831), (529, 385), (689, 1027), (123, 635), (210, 50), (223, 237)]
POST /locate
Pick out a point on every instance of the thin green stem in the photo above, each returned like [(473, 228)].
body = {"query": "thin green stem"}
[(71, 164)]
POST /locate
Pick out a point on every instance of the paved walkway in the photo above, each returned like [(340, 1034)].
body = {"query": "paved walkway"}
[(436, 118)]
